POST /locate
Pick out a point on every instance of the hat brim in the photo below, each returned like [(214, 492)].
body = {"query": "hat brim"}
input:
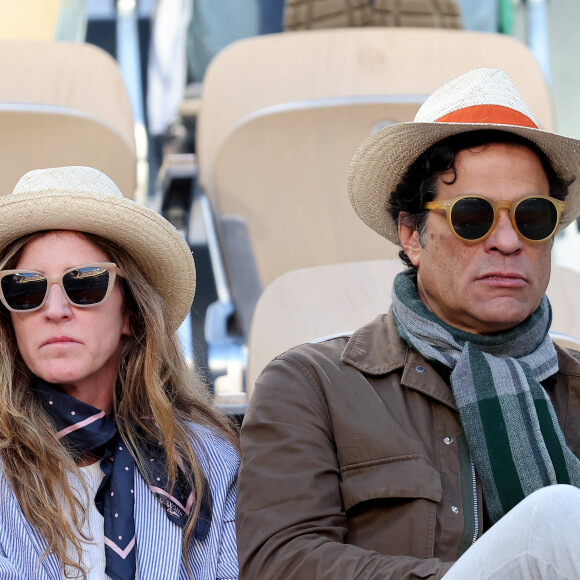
[(383, 159), (159, 249)]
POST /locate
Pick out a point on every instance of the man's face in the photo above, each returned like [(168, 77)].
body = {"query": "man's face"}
[(493, 285)]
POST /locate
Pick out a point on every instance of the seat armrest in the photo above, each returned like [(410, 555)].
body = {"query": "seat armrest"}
[(242, 272)]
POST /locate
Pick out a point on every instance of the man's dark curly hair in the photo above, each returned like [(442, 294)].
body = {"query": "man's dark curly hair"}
[(418, 185)]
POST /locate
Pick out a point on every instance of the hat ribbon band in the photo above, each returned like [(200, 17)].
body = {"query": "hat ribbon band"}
[(489, 114)]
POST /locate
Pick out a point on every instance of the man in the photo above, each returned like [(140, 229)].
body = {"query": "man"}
[(389, 453)]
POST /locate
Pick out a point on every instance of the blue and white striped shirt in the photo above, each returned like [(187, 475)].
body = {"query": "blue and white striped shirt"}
[(158, 539)]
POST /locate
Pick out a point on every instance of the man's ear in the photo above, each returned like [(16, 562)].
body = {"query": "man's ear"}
[(409, 238)]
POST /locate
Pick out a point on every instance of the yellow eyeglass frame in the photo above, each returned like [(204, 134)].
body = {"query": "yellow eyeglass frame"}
[(496, 204)]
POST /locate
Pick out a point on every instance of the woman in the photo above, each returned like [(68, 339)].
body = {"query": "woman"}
[(114, 464)]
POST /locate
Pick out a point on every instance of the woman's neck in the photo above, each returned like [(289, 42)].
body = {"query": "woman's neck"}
[(90, 457), (99, 398)]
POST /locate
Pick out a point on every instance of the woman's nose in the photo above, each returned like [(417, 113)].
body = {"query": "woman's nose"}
[(56, 305)]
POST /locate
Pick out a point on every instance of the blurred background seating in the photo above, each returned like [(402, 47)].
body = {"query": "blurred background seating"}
[(273, 153), (239, 130), (64, 20)]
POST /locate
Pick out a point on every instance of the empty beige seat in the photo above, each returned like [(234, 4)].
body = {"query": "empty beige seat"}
[(280, 199), (565, 340), (283, 171), (314, 303), (563, 294), (63, 104), (292, 66)]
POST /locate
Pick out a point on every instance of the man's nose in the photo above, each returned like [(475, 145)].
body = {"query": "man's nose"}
[(504, 237)]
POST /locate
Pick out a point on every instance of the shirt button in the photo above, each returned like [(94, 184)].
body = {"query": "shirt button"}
[(420, 369), (455, 509), (448, 440)]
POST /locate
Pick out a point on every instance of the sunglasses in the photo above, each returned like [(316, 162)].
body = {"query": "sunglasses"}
[(472, 218), (83, 286)]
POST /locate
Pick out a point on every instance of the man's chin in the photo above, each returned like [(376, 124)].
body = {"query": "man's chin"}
[(497, 316), (497, 324)]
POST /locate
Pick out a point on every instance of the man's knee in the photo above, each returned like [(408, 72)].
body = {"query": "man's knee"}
[(553, 501)]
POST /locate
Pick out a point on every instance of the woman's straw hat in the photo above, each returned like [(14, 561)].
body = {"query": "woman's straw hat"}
[(480, 99), (85, 200)]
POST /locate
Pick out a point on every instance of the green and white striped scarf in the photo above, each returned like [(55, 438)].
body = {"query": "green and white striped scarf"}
[(512, 431)]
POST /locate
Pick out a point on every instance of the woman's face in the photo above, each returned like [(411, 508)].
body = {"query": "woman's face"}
[(76, 348)]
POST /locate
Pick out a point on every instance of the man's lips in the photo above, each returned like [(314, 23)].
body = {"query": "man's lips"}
[(504, 279), (59, 340)]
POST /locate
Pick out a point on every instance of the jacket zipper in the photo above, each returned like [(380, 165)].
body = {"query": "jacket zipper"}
[(475, 502)]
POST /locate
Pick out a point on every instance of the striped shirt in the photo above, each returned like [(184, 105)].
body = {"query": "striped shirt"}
[(158, 539)]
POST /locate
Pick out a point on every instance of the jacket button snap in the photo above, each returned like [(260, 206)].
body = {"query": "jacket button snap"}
[(420, 369), (448, 440), (454, 509)]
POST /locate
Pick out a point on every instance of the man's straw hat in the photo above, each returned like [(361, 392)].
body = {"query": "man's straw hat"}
[(84, 199), (480, 99)]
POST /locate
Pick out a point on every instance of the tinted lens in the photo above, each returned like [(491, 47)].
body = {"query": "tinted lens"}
[(24, 290), (536, 218), (86, 286), (472, 218)]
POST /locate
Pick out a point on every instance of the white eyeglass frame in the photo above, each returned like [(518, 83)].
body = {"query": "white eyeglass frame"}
[(110, 267)]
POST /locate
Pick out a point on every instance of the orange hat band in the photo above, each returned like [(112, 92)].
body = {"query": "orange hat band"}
[(492, 114)]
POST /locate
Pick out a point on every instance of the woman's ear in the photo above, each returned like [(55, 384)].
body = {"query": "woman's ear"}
[(409, 238), (126, 329)]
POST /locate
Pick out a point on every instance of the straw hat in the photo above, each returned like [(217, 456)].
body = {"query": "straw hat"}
[(85, 200), (480, 99)]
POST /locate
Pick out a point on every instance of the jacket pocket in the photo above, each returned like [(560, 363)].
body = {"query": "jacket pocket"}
[(403, 477), (392, 505)]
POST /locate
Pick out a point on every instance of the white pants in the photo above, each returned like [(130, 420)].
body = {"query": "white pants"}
[(537, 539)]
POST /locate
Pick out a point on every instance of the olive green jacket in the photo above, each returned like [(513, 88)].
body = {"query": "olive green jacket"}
[(355, 464)]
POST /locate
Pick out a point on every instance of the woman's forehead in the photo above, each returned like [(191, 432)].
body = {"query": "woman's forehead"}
[(62, 246)]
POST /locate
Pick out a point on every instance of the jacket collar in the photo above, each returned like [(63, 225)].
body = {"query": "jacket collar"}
[(377, 349), (567, 361)]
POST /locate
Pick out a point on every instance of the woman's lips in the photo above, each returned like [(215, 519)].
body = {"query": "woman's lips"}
[(59, 340)]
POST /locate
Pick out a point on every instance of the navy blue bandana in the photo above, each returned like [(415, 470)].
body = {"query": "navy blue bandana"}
[(83, 428)]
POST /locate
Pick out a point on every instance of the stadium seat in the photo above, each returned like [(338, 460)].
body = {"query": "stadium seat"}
[(63, 104)]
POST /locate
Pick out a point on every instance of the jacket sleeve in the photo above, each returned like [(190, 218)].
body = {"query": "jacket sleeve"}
[(290, 518)]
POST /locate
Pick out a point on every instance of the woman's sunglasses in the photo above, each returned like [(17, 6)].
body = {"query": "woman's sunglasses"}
[(472, 218), (83, 286)]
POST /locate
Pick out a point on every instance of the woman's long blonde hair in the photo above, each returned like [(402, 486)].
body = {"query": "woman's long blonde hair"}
[(154, 383)]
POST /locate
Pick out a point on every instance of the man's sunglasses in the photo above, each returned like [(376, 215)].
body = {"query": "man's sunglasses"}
[(83, 286), (472, 218)]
